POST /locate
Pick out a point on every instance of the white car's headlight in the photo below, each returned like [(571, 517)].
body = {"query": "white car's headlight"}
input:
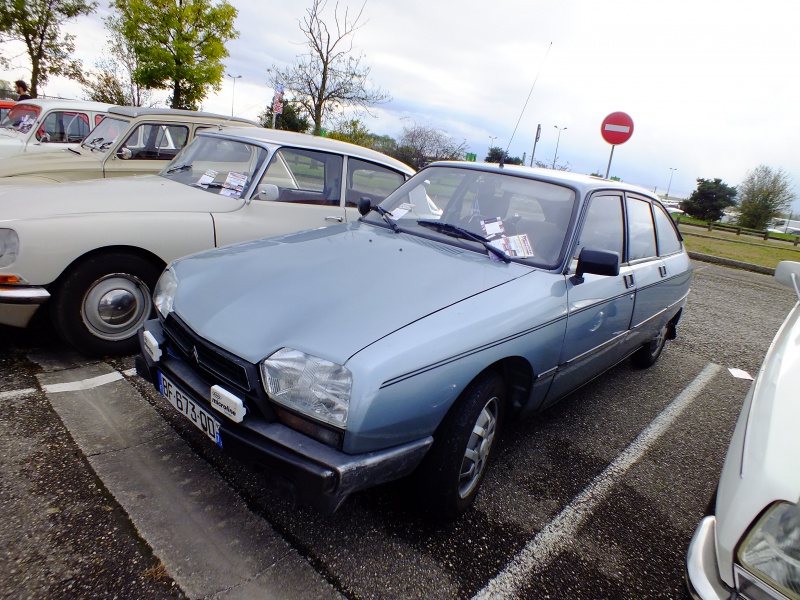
[(9, 247), (771, 551), (313, 386), (164, 294)]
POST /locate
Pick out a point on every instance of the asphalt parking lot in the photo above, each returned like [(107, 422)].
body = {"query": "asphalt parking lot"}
[(596, 498)]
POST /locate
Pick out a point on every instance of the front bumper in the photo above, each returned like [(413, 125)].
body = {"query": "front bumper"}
[(702, 569), (304, 468), (18, 304)]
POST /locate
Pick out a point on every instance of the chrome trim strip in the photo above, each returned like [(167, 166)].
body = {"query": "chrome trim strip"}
[(23, 295)]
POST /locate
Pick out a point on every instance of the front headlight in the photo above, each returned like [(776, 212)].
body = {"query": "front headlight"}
[(313, 386), (164, 294), (771, 552), (9, 247)]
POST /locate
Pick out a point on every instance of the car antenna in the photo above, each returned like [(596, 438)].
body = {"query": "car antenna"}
[(522, 112)]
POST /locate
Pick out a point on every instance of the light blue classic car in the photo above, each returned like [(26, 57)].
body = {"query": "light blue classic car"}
[(344, 357)]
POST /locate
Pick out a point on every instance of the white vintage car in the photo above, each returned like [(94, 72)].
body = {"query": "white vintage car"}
[(90, 252), (749, 547), (48, 125), (128, 141)]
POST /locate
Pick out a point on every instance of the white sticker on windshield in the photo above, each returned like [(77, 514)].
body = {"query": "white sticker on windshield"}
[(493, 228), (206, 179), (516, 246), (234, 185), (401, 210)]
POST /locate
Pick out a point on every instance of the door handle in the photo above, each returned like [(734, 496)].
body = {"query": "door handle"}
[(663, 270), (628, 279), (339, 219)]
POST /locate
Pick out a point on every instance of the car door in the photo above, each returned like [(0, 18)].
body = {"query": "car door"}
[(59, 127), (647, 269), (146, 149), (309, 195), (599, 308)]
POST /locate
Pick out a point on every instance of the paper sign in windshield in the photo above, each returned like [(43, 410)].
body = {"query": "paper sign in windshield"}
[(206, 179), (234, 185), (401, 210), (493, 228), (516, 246)]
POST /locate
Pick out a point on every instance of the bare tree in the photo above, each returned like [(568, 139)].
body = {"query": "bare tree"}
[(328, 76), (421, 144), (114, 79)]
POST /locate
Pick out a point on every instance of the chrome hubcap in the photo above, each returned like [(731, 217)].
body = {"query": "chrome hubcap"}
[(478, 447), (116, 306)]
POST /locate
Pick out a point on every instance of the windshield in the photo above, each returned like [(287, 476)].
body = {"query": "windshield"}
[(105, 134), (217, 165), (21, 118), (525, 218)]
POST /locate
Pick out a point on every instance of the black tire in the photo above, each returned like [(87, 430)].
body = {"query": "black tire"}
[(450, 476), (101, 303), (648, 354)]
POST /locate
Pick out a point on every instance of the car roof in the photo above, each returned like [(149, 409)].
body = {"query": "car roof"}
[(142, 111), (312, 142), (583, 183), (47, 103)]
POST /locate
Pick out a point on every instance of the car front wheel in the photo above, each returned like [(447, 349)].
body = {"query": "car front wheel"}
[(102, 302), (453, 470), (648, 354)]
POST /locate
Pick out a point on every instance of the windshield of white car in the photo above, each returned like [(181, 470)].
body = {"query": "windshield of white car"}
[(217, 165), (525, 219), (102, 137), (21, 118)]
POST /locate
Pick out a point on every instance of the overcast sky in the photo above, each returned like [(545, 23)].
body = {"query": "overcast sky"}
[(712, 86)]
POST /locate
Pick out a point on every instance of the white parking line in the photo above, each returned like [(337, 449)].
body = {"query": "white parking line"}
[(17, 393), (556, 535), (85, 384)]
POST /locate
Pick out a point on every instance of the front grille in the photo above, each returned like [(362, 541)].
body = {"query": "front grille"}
[(215, 361)]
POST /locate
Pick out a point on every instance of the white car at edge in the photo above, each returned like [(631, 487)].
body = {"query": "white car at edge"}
[(749, 549)]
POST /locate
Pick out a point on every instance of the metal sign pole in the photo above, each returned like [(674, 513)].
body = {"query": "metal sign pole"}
[(608, 168)]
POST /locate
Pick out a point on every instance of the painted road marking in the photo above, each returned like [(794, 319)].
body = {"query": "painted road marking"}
[(556, 535)]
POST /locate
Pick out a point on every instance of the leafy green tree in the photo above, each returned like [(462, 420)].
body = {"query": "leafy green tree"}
[(328, 76), (293, 118), (383, 143), (37, 24), (179, 45), (496, 153), (709, 201), (765, 193), (353, 131)]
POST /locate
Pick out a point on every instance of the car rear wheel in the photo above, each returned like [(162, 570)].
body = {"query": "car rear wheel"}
[(648, 354), (103, 301), (454, 468)]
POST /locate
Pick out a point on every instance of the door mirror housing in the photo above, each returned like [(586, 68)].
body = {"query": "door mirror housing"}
[(268, 191), (364, 206), (597, 262)]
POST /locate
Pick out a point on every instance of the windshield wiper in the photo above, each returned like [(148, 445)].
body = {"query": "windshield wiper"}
[(91, 143), (177, 168), (73, 151), (387, 216), (460, 232)]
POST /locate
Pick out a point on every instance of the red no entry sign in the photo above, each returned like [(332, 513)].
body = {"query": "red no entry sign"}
[(617, 128)]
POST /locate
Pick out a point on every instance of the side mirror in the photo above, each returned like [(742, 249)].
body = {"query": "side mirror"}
[(268, 191), (596, 262), (43, 137), (124, 153), (788, 273), (364, 206)]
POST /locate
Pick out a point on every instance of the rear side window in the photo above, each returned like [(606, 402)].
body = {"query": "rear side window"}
[(641, 232), (603, 226), (668, 240), (368, 180)]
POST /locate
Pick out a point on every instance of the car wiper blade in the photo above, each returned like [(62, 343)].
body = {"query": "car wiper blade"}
[(460, 232), (74, 151), (387, 216), (177, 168)]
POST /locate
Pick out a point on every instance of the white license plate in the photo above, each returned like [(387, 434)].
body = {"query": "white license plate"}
[(190, 409)]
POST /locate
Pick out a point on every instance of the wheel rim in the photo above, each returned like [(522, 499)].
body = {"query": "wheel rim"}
[(115, 306), (478, 447), (658, 343)]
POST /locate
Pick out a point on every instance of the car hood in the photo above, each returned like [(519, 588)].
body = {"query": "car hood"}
[(144, 193), (329, 292), (50, 164)]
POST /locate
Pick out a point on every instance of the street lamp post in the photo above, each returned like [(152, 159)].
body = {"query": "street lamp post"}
[(233, 95), (671, 173), (492, 138), (555, 155)]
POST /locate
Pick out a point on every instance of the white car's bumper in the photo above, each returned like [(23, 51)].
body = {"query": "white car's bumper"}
[(702, 569), (18, 304)]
